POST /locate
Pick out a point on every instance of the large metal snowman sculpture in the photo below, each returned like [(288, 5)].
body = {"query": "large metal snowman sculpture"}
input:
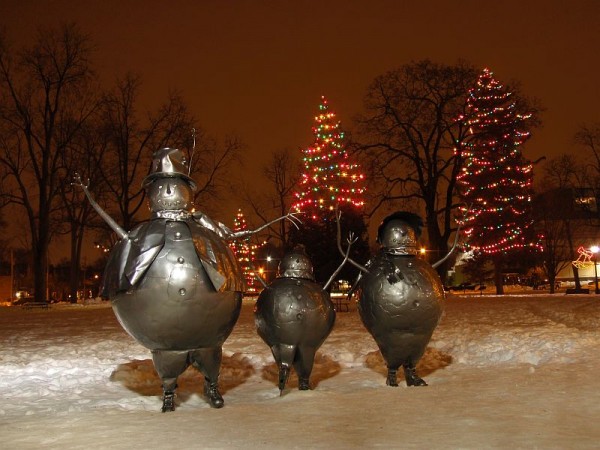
[(174, 284), (294, 315), (401, 297)]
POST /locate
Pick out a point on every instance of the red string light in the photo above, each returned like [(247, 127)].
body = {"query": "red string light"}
[(496, 179)]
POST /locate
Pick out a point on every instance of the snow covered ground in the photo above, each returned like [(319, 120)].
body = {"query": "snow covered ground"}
[(517, 371)]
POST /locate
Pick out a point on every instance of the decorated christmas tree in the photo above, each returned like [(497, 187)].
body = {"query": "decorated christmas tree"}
[(496, 179), (245, 252), (329, 177)]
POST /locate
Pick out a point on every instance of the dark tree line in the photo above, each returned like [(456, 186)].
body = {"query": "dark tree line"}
[(566, 207), (410, 140), (55, 120)]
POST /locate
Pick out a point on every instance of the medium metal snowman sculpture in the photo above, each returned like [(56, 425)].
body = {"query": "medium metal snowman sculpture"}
[(294, 315), (174, 283), (401, 296)]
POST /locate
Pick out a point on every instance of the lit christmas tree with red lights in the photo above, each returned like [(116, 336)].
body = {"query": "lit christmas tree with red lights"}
[(329, 178), (496, 179), (245, 253)]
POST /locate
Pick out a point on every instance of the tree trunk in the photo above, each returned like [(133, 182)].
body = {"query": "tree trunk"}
[(572, 254), (40, 272), (440, 246), (74, 267), (552, 280), (499, 282)]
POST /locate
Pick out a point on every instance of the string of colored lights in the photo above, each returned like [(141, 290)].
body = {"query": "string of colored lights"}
[(496, 179), (329, 178)]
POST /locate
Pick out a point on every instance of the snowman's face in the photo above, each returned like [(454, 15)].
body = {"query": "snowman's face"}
[(169, 194)]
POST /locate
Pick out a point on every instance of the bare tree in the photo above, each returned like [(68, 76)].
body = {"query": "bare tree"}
[(588, 136), (562, 175), (411, 135), (132, 141), (46, 97), (557, 240), (210, 167), (77, 212), (282, 172)]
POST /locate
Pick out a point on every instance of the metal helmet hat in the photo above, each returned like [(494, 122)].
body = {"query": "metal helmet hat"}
[(169, 163), (295, 265), (399, 232)]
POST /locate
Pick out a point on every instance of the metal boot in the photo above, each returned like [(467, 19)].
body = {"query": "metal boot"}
[(303, 384), (211, 390), (391, 379), (412, 379), (168, 402)]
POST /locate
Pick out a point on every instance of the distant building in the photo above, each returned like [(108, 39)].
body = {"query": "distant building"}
[(578, 207)]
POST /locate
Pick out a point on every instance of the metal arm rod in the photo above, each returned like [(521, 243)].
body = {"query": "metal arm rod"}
[(351, 240), (109, 220), (437, 263), (257, 276), (238, 234), (338, 214)]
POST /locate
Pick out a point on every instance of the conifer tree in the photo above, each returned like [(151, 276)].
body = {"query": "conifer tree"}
[(329, 177), (329, 180), (496, 179), (245, 253)]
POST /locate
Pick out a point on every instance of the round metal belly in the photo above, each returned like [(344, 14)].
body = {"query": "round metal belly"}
[(294, 312), (409, 298), (175, 306)]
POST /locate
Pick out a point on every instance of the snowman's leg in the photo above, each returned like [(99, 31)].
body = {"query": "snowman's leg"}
[(305, 358), (391, 379), (169, 364), (284, 356), (208, 361)]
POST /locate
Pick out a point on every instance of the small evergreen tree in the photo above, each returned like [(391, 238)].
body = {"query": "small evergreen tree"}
[(329, 181), (496, 179), (329, 177), (245, 253)]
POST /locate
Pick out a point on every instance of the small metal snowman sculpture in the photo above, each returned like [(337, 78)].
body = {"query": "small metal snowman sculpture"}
[(174, 284), (294, 315), (401, 296)]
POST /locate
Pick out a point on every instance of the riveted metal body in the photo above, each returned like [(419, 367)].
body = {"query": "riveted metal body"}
[(172, 303), (400, 304), (174, 283), (294, 316), (401, 297)]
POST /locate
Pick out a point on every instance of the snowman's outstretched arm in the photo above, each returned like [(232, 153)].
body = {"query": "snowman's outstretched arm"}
[(257, 276), (437, 263), (354, 286), (338, 214), (292, 217), (109, 220), (351, 240)]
